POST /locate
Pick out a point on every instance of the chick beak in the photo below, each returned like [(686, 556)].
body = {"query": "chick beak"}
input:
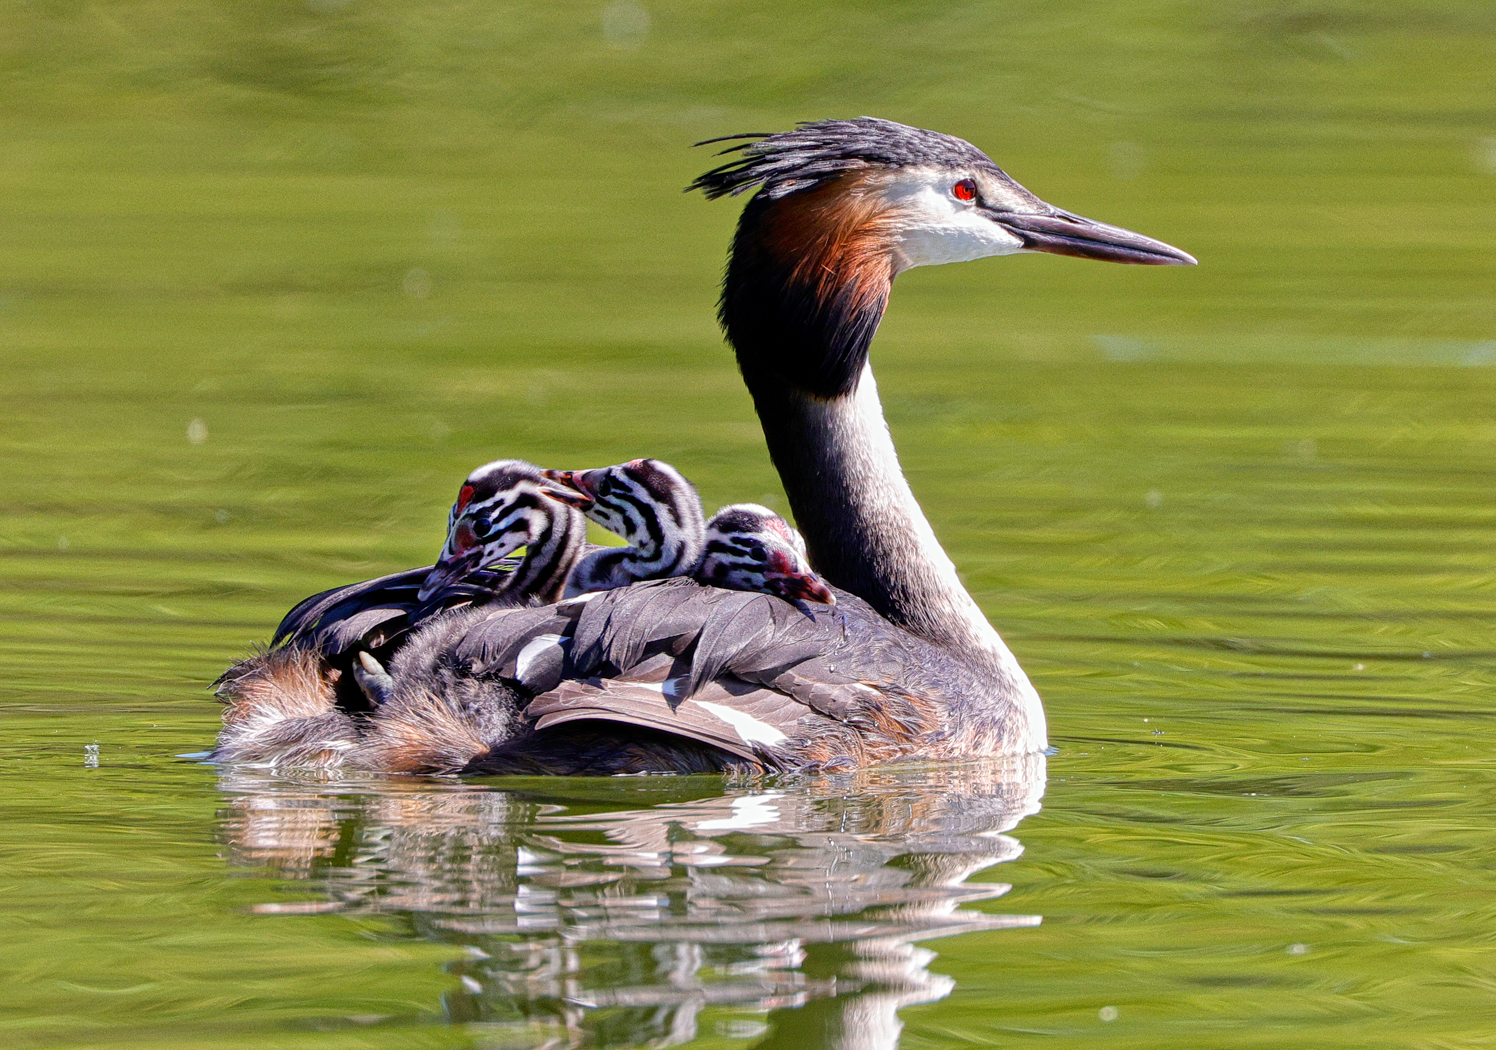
[(463, 556), (795, 584), (805, 587), (568, 487)]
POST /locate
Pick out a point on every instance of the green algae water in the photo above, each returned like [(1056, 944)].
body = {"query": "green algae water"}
[(274, 277)]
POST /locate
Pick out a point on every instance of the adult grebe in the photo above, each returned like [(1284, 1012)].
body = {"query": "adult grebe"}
[(674, 675)]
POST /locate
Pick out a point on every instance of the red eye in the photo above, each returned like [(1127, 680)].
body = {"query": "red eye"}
[(464, 497), (965, 190)]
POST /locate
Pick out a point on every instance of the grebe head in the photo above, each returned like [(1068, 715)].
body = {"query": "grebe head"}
[(646, 502), (844, 206), (638, 500), (750, 548), (500, 508)]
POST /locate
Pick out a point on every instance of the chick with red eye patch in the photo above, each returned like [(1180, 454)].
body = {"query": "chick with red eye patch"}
[(789, 578), (500, 508), (750, 548)]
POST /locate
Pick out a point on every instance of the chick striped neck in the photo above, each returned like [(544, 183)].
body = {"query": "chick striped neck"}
[(554, 543), (664, 536)]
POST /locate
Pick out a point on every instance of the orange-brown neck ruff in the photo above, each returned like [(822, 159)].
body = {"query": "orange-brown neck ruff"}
[(807, 284)]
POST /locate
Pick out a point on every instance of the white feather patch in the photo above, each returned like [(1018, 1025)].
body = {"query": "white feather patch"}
[(750, 729), (934, 228), (532, 650), (579, 599)]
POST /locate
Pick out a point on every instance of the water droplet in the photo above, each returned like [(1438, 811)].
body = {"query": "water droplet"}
[(1484, 155), (417, 283), (197, 432), (222, 516), (625, 24), (1126, 160), (1108, 1013), (62, 543), (1298, 949), (1153, 499)]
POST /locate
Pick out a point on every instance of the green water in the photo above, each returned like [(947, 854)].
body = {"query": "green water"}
[(275, 276)]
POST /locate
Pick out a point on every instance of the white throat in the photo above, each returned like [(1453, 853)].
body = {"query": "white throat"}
[(932, 227)]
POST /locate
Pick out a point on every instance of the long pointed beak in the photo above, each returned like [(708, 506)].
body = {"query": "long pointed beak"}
[(1061, 233), (568, 487), (450, 568)]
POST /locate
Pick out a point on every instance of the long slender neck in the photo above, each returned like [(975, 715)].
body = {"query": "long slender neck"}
[(864, 530), (806, 287)]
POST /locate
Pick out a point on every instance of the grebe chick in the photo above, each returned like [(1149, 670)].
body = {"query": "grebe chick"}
[(651, 505), (646, 502), (750, 548), (501, 507), (326, 659)]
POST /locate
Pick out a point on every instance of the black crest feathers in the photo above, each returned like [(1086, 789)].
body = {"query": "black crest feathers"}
[(787, 161)]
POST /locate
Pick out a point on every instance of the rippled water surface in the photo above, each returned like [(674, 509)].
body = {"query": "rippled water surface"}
[(274, 277)]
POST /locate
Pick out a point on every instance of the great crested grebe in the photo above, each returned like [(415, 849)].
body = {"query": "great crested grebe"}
[(317, 670), (500, 508), (673, 675)]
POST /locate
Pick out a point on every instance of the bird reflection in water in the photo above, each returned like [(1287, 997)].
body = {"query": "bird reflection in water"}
[(613, 912)]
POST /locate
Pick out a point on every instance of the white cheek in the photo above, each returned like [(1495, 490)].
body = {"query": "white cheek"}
[(935, 229)]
